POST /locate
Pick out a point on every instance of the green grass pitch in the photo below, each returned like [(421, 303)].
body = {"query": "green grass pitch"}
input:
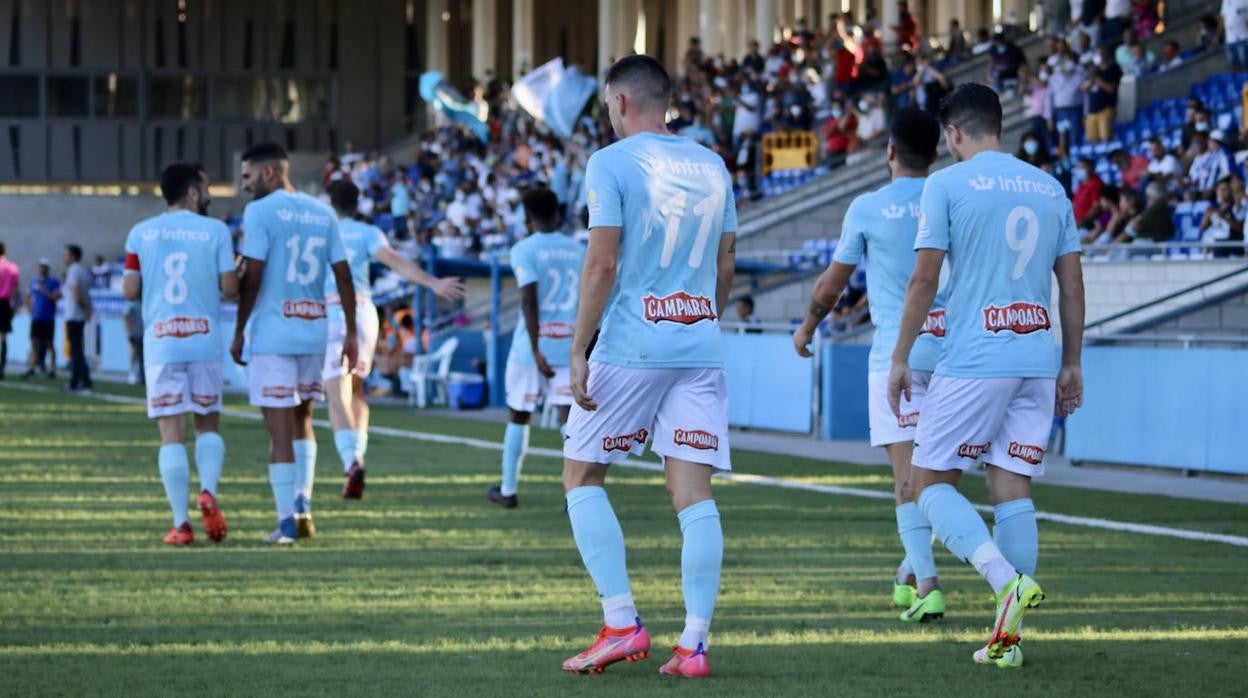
[(424, 589)]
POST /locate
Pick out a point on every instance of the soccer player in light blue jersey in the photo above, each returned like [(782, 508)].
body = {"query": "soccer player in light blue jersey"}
[(180, 263), (657, 274), (880, 227), (547, 265), (348, 410), (291, 242), (1006, 227)]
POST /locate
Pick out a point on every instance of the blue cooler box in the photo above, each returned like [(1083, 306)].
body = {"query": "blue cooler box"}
[(465, 391)]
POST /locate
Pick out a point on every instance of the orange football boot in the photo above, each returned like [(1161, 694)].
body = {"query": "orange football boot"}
[(690, 664), (613, 645), (180, 535), (214, 520)]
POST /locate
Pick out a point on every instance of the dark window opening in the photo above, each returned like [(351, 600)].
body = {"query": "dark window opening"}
[(15, 147), (333, 46), (15, 35), (19, 95), (77, 139), (286, 61), (290, 139), (116, 95), (75, 41), (181, 42), (160, 43), (158, 142), (67, 95), (247, 52), (179, 140), (177, 98)]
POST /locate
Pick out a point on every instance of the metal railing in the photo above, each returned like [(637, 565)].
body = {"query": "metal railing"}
[(1184, 340)]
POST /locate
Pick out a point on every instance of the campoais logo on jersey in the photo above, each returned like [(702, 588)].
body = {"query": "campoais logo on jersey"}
[(1020, 317), (934, 324), (678, 307), (303, 309), (555, 330), (181, 327)]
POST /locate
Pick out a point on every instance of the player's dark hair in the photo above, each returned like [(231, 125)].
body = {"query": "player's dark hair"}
[(264, 152), (974, 108), (644, 78), (178, 178), (542, 206), (74, 251), (344, 196), (915, 135)]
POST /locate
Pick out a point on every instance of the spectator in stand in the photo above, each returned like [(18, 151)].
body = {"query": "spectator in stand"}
[(101, 273), (1141, 64), (1085, 202), (840, 131), (1224, 219), (1235, 27), (1005, 62), (1210, 33), (1102, 89), (1056, 16), (45, 291), (1155, 224), (1171, 55), (1131, 167), (450, 242), (1145, 15), (873, 70), (748, 116), (906, 29), (1085, 51), (1129, 209), (1031, 152), (983, 42), (1065, 97), (1119, 15), (1085, 20), (400, 207), (1162, 166), (1212, 166), (745, 311), (1108, 222), (1036, 96), (753, 60), (871, 119), (956, 48), (1123, 54)]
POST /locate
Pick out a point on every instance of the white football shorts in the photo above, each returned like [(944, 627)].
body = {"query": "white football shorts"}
[(684, 409), (284, 380), (886, 427), (367, 328), (526, 386), (178, 388), (1004, 421)]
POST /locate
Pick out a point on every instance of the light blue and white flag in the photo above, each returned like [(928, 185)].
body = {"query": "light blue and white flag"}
[(435, 90), (555, 95)]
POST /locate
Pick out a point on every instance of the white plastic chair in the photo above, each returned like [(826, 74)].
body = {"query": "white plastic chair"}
[(434, 367)]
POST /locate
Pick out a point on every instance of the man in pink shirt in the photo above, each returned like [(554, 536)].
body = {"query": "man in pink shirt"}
[(9, 278)]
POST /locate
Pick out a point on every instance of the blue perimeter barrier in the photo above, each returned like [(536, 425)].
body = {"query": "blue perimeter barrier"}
[(844, 392), (769, 385), (1169, 408)]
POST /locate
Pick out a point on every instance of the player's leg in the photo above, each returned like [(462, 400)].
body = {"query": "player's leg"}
[(524, 388), (369, 329), (304, 446), (206, 391), (272, 387), (168, 400), (691, 433), (4, 349), (627, 399)]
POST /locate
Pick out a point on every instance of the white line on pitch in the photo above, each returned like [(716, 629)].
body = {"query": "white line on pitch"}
[(1083, 521)]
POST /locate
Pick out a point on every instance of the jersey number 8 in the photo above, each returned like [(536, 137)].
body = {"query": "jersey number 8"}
[(175, 277)]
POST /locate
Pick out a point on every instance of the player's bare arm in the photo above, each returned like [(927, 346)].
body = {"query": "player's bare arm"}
[(249, 289), (228, 283), (132, 287), (727, 268), (532, 320), (596, 282), (827, 291), (921, 291), (346, 291), (1070, 308), (450, 288)]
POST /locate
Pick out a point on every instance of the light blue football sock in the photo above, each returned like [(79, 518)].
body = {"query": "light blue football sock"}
[(600, 540), (960, 528), (209, 459), (282, 480), (916, 538), (515, 443), (346, 441), (305, 472), (563, 431), (361, 444), (1016, 535), (701, 558), (175, 474)]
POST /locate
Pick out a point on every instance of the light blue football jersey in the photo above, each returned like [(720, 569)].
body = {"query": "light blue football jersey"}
[(297, 238), (672, 199), (880, 226), (553, 261), (180, 256), (1003, 224), (360, 241)]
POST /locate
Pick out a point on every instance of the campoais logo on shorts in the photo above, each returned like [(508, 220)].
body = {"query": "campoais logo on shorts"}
[(166, 400), (1024, 452), (973, 451), (696, 438), (204, 400), (910, 419), (625, 442), (679, 307)]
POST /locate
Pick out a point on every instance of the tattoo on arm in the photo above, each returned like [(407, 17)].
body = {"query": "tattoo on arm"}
[(818, 310)]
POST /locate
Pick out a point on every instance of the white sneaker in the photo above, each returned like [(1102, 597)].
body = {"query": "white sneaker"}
[(278, 538)]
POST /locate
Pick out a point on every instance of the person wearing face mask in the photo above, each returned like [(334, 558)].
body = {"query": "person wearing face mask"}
[(1085, 202), (840, 131), (1211, 166), (1102, 89), (870, 119), (1235, 24), (1031, 152), (1064, 95), (1036, 96)]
